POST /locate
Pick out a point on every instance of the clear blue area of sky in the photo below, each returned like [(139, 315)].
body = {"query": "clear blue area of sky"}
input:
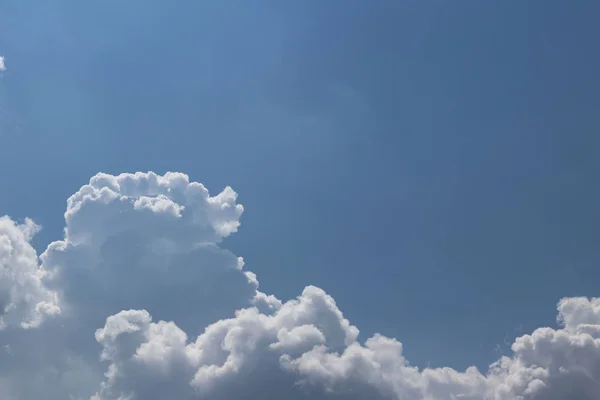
[(431, 164)]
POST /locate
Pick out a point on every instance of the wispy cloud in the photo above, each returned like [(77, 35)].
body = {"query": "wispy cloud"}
[(2, 65)]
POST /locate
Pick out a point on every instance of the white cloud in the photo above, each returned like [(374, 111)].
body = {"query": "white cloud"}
[(24, 300), (90, 319), (2, 65)]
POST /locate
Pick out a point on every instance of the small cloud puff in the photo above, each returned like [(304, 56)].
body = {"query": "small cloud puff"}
[(2, 65), (139, 301)]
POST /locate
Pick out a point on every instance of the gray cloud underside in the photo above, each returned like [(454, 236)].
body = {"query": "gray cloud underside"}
[(139, 301)]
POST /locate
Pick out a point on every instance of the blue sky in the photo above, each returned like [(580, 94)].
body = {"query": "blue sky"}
[(432, 165)]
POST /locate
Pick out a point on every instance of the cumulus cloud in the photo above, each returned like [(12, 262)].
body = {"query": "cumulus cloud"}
[(24, 300), (2, 65), (140, 301)]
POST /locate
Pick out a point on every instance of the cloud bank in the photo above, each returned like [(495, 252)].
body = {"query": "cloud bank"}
[(140, 301)]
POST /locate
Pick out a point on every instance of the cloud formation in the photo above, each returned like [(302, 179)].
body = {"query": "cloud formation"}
[(139, 301), (2, 65), (24, 300)]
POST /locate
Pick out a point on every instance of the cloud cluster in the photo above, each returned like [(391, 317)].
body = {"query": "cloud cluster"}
[(139, 301), (24, 300)]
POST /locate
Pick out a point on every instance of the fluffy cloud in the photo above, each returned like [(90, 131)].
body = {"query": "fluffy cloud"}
[(24, 300), (139, 301), (2, 66)]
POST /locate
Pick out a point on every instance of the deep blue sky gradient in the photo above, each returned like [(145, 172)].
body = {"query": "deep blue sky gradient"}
[(431, 164)]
